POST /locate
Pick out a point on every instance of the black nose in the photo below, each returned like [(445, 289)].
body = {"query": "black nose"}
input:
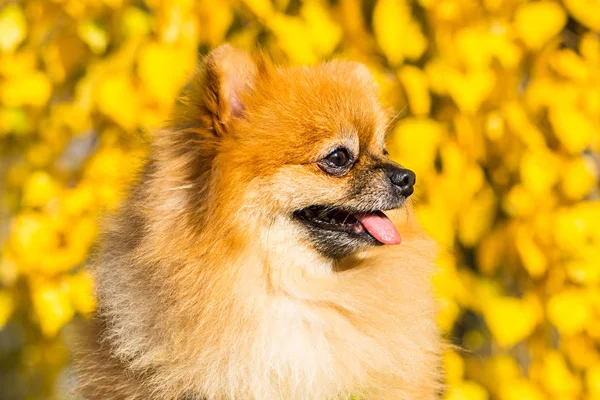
[(404, 179)]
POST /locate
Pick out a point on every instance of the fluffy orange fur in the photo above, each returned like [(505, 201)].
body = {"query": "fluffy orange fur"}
[(206, 288)]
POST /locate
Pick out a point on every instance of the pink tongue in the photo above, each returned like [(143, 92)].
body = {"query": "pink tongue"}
[(380, 227)]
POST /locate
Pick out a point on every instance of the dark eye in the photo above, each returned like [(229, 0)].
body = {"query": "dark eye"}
[(338, 158), (385, 152)]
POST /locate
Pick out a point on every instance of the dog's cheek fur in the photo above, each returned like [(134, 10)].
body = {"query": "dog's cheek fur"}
[(198, 301)]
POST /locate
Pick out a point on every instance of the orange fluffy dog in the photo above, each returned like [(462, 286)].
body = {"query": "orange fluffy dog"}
[(254, 261)]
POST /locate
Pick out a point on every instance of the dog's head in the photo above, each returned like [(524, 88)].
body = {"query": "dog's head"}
[(301, 145)]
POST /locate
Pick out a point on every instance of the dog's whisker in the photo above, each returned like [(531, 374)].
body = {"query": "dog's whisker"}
[(182, 187)]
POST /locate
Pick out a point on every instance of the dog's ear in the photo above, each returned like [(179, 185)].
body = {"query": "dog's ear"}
[(230, 74)]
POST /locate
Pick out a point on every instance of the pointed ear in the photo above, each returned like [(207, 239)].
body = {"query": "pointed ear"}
[(229, 74)]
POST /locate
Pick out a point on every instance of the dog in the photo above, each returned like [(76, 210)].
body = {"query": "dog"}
[(260, 256)]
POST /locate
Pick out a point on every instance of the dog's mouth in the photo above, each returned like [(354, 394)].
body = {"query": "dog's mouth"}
[(372, 227)]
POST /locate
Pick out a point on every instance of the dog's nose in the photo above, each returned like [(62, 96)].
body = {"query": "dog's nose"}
[(404, 179)]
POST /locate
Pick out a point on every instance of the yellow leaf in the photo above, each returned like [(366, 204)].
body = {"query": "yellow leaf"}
[(475, 221), (466, 390), (415, 84), (572, 228), (557, 379), (393, 25), (589, 48), (95, 37), (570, 65), (590, 103), (520, 389), (291, 34), (522, 314), (532, 256), (578, 177), (78, 200), (438, 222), (14, 121), (414, 143), (19, 63), (135, 22), (13, 27), (109, 165), (33, 89), (502, 45), (215, 19), (573, 128), (437, 71), (163, 71), (79, 238), (324, 33), (39, 188), (494, 126), (116, 97), (538, 22), (519, 121), (570, 311), (454, 367), (52, 306), (33, 235), (539, 171), (470, 90), (580, 350), (499, 370), (585, 11), (81, 291), (448, 313), (175, 22), (473, 47), (585, 270), (592, 380)]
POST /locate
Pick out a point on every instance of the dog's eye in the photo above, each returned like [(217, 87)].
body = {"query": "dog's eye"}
[(385, 152), (338, 158)]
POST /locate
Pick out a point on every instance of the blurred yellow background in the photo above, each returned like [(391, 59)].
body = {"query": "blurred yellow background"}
[(499, 107)]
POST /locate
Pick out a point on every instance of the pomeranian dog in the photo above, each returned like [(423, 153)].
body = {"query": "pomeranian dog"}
[(259, 256)]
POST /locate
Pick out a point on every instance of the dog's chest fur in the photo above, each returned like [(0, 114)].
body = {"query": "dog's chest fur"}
[(303, 333)]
